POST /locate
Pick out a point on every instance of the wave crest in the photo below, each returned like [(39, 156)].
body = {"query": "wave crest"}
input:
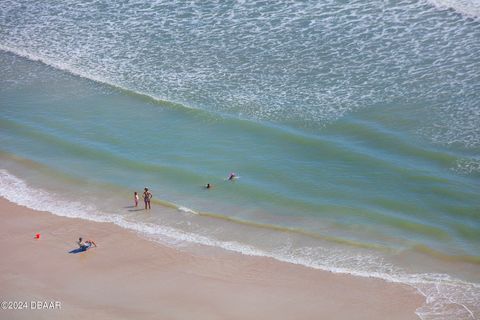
[(446, 297)]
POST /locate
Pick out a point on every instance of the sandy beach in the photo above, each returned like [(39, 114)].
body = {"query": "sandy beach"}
[(128, 277)]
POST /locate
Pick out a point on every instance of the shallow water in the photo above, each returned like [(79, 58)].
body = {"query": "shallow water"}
[(354, 129)]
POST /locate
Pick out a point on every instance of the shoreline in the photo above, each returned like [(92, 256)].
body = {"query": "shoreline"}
[(128, 276)]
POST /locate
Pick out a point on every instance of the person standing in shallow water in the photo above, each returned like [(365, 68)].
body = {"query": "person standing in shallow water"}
[(135, 198), (147, 197)]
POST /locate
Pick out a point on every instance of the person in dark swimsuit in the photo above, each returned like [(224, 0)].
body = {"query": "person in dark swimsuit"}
[(147, 197)]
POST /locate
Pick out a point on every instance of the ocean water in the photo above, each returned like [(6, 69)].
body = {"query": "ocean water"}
[(354, 128)]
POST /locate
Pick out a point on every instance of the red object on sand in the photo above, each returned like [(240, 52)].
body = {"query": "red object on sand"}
[(37, 236)]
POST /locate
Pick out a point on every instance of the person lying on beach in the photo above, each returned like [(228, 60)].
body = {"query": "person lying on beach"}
[(147, 197), (85, 245)]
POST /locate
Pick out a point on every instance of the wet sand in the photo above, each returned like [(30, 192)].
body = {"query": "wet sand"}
[(129, 277)]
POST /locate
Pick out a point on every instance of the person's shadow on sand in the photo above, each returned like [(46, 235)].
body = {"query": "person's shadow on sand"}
[(78, 250)]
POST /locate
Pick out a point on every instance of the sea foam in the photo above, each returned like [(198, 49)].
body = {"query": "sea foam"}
[(446, 297), (301, 64), (469, 8)]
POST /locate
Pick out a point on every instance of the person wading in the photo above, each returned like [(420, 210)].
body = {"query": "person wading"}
[(147, 197)]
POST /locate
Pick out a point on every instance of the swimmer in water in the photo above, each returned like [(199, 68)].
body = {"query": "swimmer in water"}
[(208, 186), (232, 176)]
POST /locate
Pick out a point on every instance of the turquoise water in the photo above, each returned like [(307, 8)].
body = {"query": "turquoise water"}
[(354, 129)]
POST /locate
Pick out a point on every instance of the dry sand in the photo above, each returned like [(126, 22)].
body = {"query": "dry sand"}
[(128, 277)]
